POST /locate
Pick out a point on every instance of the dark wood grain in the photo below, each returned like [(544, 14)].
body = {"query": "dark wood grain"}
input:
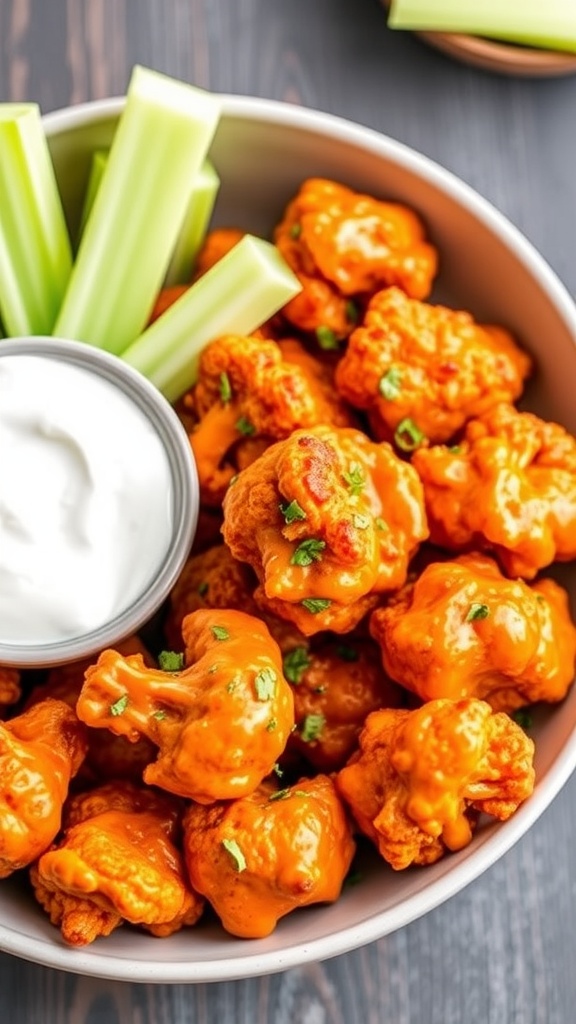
[(501, 952)]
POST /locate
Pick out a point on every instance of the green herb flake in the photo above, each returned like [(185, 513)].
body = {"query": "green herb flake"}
[(119, 707), (389, 385), (203, 589), (309, 551), (231, 847), (523, 718), (312, 727), (292, 512), (327, 339), (314, 605), (280, 794), (232, 685), (352, 312), (295, 231), (265, 683), (352, 878), (346, 652), (477, 611), (354, 479), (408, 436), (455, 449), (380, 524), (159, 715), (360, 522), (243, 426), (278, 770), (171, 661), (541, 599), (225, 388), (295, 663), (220, 633), (272, 725)]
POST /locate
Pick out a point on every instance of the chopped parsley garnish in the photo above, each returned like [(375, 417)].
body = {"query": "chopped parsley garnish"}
[(352, 878), (232, 685), (280, 794), (523, 718), (327, 339), (265, 683), (352, 312), (312, 727), (408, 436), (347, 653), (225, 388), (278, 770), (295, 663), (380, 524), (159, 715), (244, 426), (354, 478), (171, 661), (272, 725), (220, 633), (203, 589), (477, 611), (292, 512), (316, 604), (389, 385), (119, 707), (360, 522), (231, 847), (455, 449), (308, 551), (295, 231)]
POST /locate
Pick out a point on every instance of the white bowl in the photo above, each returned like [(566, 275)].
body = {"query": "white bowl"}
[(262, 151)]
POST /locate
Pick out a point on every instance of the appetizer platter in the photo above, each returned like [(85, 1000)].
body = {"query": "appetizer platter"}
[(357, 694)]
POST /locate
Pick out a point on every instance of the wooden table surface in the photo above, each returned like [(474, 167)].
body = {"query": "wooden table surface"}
[(502, 951)]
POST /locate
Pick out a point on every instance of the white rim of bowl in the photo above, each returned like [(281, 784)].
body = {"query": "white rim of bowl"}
[(431, 894)]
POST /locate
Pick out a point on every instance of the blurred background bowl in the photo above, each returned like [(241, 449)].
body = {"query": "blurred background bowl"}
[(262, 152), (501, 57)]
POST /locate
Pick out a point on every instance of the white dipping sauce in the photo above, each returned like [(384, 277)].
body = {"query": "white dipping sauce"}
[(85, 500)]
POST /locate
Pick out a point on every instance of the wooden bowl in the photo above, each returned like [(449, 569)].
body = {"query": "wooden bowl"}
[(501, 57)]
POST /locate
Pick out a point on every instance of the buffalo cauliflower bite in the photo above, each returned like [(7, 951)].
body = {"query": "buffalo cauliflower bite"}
[(116, 861), (40, 751), (422, 371), (220, 723), (251, 392), (420, 776), (344, 245), (336, 685), (217, 244), (328, 520), (107, 756), (509, 487), (10, 689), (463, 630), (258, 858)]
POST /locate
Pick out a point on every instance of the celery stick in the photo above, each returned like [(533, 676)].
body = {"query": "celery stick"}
[(99, 161), (161, 140), (201, 203), (35, 251), (551, 24), (246, 287)]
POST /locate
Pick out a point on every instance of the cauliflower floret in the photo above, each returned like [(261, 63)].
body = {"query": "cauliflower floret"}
[(422, 371), (107, 756), (344, 245), (220, 723), (10, 689), (117, 861), (336, 685), (251, 392), (463, 630), (418, 774), (328, 520), (40, 751), (257, 858), (216, 244), (509, 487)]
